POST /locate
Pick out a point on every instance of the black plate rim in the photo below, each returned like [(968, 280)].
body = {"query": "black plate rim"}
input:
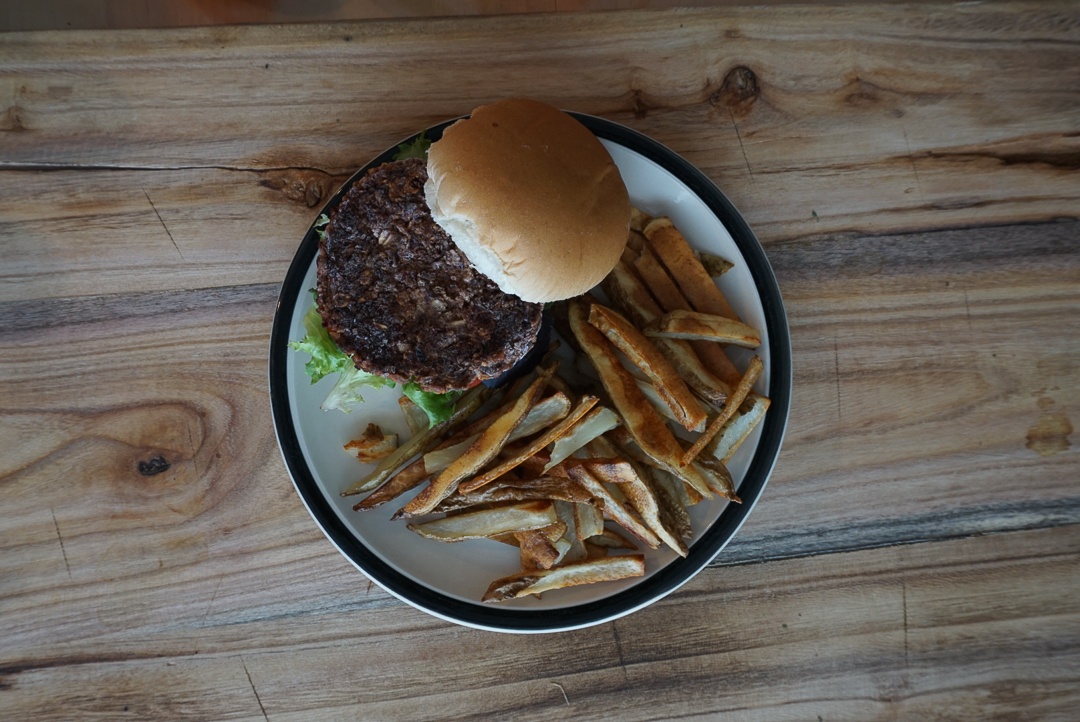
[(703, 550)]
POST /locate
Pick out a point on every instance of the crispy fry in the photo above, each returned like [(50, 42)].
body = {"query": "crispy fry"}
[(545, 413), (628, 293), (373, 444), (598, 421), (548, 437), (588, 520), (718, 476), (648, 358), (638, 219), (613, 507), (405, 480), (574, 550), (483, 450), (603, 569), (704, 327), (538, 546), (738, 394), (670, 298), (415, 418), (644, 422), (679, 259), (611, 539), (488, 522), (422, 442), (738, 428), (551, 488), (640, 491), (611, 470), (629, 448)]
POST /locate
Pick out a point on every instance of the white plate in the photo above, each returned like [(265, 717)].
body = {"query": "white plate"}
[(447, 580)]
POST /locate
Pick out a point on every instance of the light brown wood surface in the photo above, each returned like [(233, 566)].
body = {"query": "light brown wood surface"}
[(913, 176)]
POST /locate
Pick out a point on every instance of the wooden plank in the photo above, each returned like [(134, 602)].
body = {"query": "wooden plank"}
[(967, 629), (846, 127), (915, 397)]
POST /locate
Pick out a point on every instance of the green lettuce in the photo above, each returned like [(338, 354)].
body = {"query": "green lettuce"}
[(327, 358), (416, 149)]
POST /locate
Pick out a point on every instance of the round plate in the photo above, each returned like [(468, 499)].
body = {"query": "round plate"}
[(447, 580)]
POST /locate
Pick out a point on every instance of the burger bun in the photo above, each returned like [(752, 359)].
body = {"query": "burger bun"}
[(531, 197)]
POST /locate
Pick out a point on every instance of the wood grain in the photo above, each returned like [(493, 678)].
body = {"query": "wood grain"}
[(912, 173), (853, 636), (885, 119)]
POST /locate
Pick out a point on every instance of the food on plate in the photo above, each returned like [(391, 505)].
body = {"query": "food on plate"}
[(432, 273), (560, 466), (433, 267), (532, 198), (704, 327), (373, 444), (398, 296), (587, 572)]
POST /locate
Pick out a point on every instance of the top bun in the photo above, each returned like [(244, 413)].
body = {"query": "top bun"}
[(531, 197)]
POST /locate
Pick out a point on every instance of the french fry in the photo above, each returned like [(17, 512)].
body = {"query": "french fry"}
[(422, 442), (738, 395), (628, 293), (538, 546), (635, 484), (575, 550), (483, 450), (678, 257), (667, 293), (548, 437), (588, 520), (717, 475), (738, 428), (373, 444), (604, 569), (488, 522), (638, 219), (614, 508), (692, 325), (551, 488), (648, 358), (644, 422), (545, 413), (613, 470), (405, 480), (611, 539), (415, 418), (598, 421)]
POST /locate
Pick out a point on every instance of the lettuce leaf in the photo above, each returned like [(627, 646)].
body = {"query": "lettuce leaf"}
[(327, 358), (416, 149), (438, 407)]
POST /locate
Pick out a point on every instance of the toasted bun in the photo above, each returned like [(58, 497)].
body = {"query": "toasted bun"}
[(531, 197)]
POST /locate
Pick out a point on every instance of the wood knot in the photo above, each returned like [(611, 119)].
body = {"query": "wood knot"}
[(739, 90), (307, 187), (153, 466)]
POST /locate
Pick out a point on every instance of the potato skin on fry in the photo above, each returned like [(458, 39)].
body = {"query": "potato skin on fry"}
[(644, 422), (604, 569)]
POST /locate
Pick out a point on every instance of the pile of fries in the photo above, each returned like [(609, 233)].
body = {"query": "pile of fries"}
[(578, 467)]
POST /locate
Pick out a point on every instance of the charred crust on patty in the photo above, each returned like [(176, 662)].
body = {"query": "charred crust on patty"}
[(398, 296)]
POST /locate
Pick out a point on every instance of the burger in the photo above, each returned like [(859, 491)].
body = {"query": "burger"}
[(434, 268)]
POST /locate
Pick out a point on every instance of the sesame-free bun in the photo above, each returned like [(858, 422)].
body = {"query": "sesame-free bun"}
[(531, 197)]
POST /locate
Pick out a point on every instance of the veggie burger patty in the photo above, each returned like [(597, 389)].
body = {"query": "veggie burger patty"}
[(397, 295)]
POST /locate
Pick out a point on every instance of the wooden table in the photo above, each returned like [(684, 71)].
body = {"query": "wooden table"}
[(914, 175)]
